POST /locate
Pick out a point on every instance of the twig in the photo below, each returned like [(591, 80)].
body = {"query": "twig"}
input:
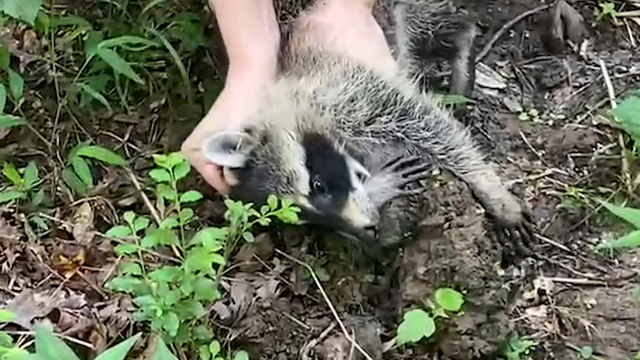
[(150, 207), (65, 337), (554, 243), (485, 50), (578, 281), (304, 352), (328, 301)]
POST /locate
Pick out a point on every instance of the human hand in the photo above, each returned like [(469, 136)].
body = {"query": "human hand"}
[(238, 101)]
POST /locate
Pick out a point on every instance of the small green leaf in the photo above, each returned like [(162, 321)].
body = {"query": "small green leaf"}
[(206, 289), (248, 237), (272, 201), (82, 170), (11, 195), (10, 171), (30, 177), (586, 352), (181, 170), (214, 348), (118, 64), (241, 355), (49, 346), (129, 217), (169, 223), (72, 181), (416, 324), (162, 352), (630, 215), (9, 121), (3, 98), (126, 249), (159, 236), (99, 153), (140, 223), (118, 231), (23, 10), (126, 284), (186, 215), (95, 94), (160, 175), (6, 316), (449, 299), (166, 192), (203, 352), (190, 196), (131, 268), (630, 240), (16, 84), (120, 351)]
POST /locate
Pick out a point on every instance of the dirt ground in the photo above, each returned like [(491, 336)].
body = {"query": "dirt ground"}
[(564, 298)]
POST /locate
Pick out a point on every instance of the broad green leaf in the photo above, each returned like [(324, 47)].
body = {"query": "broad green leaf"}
[(120, 351), (449, 299), (10, 171), (3, 98), (118, 64), (129, 217), (9, 121), (16, 84), (6, 315), (160, 175), (169, 223), (416, 324), (210, 238), (630, 215), (162, 352), (203, 352), (174, 159), (631, 240), (190, 196), (23, 10), (11, 195), (127, 40), (185, 215), (166, 274), (83, 170), (171, 322), (30, 177), (49, 346), (118, 231), (94, 94), (159, 236), (99, 153)]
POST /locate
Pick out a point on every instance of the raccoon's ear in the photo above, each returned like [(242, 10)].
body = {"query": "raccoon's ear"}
[(229, 148)]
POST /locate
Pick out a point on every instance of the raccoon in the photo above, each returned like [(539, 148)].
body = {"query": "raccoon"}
[(354, 147)]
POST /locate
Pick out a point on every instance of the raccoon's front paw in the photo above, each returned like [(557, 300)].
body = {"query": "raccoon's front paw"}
[(513, 224), (394, 177)]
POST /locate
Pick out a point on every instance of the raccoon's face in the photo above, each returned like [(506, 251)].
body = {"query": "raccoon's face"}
[(309, 168)]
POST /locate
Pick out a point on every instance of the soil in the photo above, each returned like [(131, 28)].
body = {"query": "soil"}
[(565, 297)]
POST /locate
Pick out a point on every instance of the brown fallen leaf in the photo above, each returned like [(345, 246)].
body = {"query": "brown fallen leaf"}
[(566, 23), (30, 305)]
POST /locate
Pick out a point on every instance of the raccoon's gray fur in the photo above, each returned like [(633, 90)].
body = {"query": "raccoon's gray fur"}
[(342, 140)]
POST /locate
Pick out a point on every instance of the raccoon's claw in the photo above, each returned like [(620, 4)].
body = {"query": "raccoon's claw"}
[(517, 239)]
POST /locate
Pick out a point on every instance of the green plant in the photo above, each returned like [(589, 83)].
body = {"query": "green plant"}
[(23, 185), (517, 347), (632, 217), (173, 298), (418, 324), (606, 10), (77, 175), (585, 352), (529, 115)]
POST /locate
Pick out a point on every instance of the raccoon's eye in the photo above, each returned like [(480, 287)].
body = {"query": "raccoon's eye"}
[(317, 186)]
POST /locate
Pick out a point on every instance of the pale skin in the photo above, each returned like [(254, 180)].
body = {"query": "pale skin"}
[(251, 36)]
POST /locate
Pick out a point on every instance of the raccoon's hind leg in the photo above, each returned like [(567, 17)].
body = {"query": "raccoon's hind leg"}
[(430, 30)]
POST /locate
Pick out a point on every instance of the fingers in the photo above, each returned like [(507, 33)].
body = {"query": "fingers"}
[(210, 172)]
